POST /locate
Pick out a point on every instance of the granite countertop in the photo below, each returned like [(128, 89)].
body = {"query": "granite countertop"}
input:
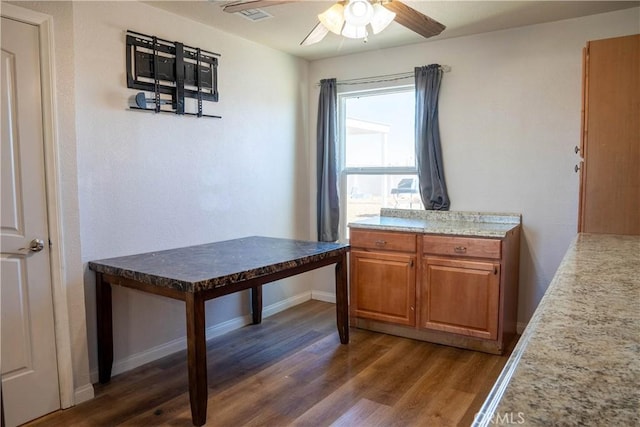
[(212, 265), (578, 360), (475, 224)]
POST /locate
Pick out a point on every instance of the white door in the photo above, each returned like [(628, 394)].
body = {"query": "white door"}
[(29, 366)]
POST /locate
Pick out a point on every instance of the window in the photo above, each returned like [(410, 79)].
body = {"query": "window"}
[(377, 153)]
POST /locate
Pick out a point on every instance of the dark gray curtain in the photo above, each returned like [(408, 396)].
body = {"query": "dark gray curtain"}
[(433, 189), (327, 162)]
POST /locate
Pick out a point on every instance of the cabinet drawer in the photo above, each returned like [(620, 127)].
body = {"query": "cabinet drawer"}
[(382, 240), (462, 246)]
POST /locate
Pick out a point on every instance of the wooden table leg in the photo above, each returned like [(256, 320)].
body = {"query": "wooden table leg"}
[(196, 358), (342, 300), (256, 304), (105, 328)]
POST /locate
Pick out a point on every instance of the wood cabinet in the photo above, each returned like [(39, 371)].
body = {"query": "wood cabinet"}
[(453, 290), (610, 146), (383, 277), (461, 297), (385, 287)]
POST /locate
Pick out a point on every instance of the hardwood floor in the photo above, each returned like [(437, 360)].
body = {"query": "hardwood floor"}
[(291, 370)]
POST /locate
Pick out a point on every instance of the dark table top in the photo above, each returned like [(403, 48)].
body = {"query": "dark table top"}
[(202, 267)]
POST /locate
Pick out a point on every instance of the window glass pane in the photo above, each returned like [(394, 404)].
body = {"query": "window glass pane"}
[(379, 130), (366, 194)]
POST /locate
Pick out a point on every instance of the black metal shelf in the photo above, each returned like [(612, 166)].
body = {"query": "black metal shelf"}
[(153, 110)]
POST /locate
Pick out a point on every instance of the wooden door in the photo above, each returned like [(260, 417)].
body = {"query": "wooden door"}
[(383, 286), (610, 178), (29, 367), (461, 297)]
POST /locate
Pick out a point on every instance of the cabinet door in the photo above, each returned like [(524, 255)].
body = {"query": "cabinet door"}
[(383, 286), (610, 175), (461, 297)]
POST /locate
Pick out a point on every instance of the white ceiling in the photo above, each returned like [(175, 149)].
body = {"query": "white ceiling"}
[(291, 22)]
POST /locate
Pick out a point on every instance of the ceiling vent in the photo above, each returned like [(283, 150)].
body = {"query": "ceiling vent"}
[(255, 15)]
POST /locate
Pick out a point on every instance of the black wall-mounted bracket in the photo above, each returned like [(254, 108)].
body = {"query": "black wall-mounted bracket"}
[(170, 68)]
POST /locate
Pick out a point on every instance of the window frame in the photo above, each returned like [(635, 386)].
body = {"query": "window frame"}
[(343, 170)]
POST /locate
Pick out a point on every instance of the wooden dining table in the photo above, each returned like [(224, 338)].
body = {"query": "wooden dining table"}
[(195, 274)]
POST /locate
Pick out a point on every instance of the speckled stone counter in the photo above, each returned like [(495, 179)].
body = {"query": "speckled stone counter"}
[(442, 222), (578, 360)]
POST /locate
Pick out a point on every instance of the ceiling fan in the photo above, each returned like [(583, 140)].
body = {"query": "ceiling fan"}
[(351, 18)]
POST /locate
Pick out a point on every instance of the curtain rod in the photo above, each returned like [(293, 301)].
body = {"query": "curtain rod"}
[(384, 77)]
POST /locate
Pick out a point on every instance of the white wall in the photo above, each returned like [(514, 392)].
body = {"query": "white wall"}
[(150, 182), (509, 120)]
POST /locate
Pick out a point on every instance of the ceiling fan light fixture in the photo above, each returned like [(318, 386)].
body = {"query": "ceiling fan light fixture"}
[(354, 31), (358, 12), (333, 18), (381, 19)]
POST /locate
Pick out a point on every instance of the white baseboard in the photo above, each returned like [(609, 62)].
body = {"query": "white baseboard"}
[(285, 304), (323, 296), (154, 353), (83, 393)]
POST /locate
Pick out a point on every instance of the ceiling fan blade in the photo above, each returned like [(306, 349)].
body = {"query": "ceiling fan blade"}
[(414, 20), (253, 4), (317, 34)]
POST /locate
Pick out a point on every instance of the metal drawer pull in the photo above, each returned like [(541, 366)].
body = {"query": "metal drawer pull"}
[(460, 250), (380, 242)]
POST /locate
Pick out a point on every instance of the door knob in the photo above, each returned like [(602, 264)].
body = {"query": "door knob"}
[(36, 245)]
